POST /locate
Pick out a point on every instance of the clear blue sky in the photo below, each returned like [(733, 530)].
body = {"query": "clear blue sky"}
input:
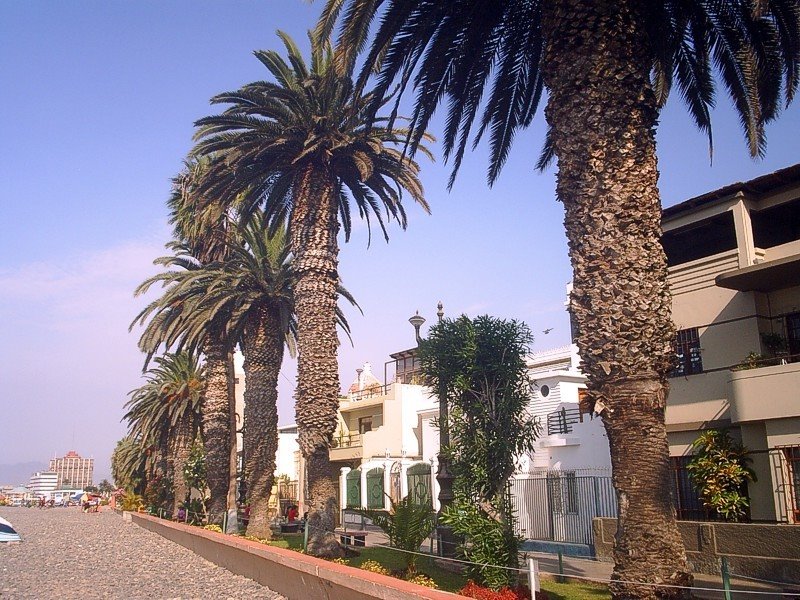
[(98, 101)]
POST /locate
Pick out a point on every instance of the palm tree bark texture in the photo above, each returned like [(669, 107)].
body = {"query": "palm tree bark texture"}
[(313, 228), (604, 139), (263, 355), (217, 429)]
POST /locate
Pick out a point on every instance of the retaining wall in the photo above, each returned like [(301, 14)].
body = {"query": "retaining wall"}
[(294, 575), (754, 550)]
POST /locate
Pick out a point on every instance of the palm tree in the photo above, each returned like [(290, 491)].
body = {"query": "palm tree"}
[(129, 465), (202, 230), (608, 68), (305, 148), (165, 413)]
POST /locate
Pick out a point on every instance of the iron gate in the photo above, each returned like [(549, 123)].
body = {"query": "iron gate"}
[(419, 483), (560, 505), (353, 484), (375, 488)]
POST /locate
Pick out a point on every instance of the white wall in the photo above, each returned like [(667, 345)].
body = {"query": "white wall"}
[(286, 456)]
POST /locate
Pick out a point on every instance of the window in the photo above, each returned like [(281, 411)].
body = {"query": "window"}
[(364, 424), (688, 505), (688, 360), (545, 391)]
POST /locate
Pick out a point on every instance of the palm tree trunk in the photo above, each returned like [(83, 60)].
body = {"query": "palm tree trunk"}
[(216, 429), (602, 113), (313, 228), (181, 446), (263, 355)]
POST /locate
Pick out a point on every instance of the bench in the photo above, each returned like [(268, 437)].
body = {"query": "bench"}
[(290, 527), (352, 538)]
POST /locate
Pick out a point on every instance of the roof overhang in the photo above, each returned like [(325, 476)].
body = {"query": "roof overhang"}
[(764, 277)]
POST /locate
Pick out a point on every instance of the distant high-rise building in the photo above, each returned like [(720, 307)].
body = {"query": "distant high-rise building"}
[(73, 471), (43, 482)]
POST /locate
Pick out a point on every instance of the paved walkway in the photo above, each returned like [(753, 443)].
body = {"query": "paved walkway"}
[(66, 553)]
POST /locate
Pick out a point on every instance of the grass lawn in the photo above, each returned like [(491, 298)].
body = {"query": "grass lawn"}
[(447, 580)]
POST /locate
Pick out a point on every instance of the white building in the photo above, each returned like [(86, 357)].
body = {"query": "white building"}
[(571, 437), (379, 437), (43, 482), (287, 458)]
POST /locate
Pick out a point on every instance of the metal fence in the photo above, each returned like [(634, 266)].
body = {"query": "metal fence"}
[(559, 505)]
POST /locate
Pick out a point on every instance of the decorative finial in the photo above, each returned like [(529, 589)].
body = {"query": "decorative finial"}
[(440, 312), (417, 321)]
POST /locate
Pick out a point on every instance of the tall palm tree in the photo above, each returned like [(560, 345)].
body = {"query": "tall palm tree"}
[(202, 230), (608, 68), (304, 147), (165, 413), (129, 465)]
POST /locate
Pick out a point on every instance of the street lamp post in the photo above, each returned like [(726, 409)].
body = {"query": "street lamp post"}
[(444, 477)]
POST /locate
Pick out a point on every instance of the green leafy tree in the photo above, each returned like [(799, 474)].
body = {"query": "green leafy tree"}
[(719, 471), (406, 525), (607, 69), (194, 473), (305, 148), (479, 364), (105, 487)]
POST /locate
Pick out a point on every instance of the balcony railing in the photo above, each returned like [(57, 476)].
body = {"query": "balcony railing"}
[(346, 440), (561, 421), (370, 392)]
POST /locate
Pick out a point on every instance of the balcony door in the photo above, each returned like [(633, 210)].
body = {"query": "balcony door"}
[(793, 335)]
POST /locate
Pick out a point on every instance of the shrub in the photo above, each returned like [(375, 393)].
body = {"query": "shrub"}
[(407, 525), (521, 592), (373, 566), (213, 527), (132, 502), (719, 471), (488, 542), (158, 493), (424, 580)]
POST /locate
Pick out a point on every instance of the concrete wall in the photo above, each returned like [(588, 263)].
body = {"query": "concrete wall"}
[(753, 550), (294, 575)]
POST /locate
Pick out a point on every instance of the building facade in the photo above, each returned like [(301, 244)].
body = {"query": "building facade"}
[(73, 471), (734, 272), (42, 483), (378, 441)]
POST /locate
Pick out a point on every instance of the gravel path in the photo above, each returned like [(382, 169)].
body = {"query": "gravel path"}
[(68, 554)]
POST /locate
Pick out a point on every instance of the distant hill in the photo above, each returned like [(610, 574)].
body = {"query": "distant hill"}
[(20, 473)]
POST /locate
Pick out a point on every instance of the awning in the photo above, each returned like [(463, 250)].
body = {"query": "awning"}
[(764, 277)]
